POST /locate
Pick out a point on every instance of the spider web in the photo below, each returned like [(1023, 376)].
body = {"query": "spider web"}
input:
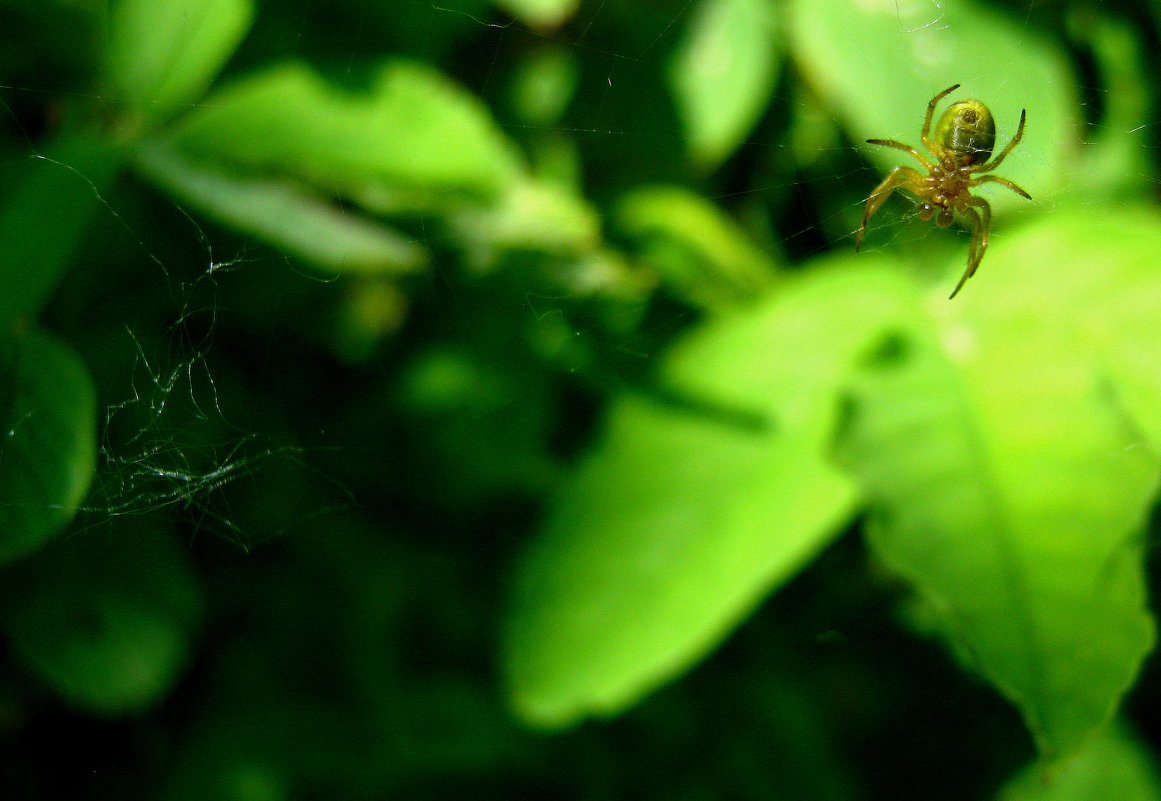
[(169, 440)]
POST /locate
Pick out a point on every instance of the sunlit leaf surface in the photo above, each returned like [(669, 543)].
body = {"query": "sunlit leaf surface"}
[(164, 53), (1008, 476), (919, 49), (724, 73), (683, 518), (412, 138), (1114, 765)]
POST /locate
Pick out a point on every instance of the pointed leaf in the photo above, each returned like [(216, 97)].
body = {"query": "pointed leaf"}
[(685, 517), (1009, 485), (281, 213), (164, 53)]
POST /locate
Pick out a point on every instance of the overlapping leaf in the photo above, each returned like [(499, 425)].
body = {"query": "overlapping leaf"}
[(684, 518)]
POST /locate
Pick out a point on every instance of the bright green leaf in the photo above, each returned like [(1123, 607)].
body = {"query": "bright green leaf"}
[(105, 617), (53, 197), (413, 140), (544, 85), (724, 72), (687, 515), (282, 214), (699, 252), (1116, 765), (879, 62), (551, 227), (540, 13), (49, 441), (164, 53), (1007, 480)]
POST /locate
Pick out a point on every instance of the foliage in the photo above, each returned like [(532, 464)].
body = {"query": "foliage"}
[(386, 383)]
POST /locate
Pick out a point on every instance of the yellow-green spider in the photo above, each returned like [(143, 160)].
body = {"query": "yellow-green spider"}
[(964, 138)]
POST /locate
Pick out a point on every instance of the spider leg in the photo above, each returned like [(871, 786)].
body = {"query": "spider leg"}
[(979, 238), (1002, 182), (991, 165), (926, 133), (907, 177), (922, 159)]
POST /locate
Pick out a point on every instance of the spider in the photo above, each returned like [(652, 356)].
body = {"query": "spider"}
[(963, 142)]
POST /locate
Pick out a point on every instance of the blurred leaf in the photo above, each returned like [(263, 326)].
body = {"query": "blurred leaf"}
[(1101, 267), (540, 13), (104, 617), (683, 519), (1115, 765), (43, 217), (879, 64), (412, 141), (1007, 483), (701, 254), (544, 85), (1115, 156), (724, 72), (164, 53), (49, 441), (281, 213), (551, 230)]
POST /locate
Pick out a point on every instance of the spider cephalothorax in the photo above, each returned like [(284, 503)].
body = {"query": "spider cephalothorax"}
[(963, 142)]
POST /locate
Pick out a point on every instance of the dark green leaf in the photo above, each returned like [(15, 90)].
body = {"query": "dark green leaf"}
[(54, 195), (105, 617), (48, 441)]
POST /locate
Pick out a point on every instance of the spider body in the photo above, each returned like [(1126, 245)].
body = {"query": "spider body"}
[(960, 151)]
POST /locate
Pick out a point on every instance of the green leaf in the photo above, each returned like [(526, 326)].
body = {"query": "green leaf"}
[(164, 53), (282, 214), (105, 618), (724, 72), (49, 441), (1008, 484), (879, 64), (53, 197), (686, 515), (545, 14), (544, 85), (1100, 266), (700, 253), (1115, 765), (412, 141)]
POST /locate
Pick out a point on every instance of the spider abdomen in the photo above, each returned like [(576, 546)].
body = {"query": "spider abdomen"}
[(966, 133)]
